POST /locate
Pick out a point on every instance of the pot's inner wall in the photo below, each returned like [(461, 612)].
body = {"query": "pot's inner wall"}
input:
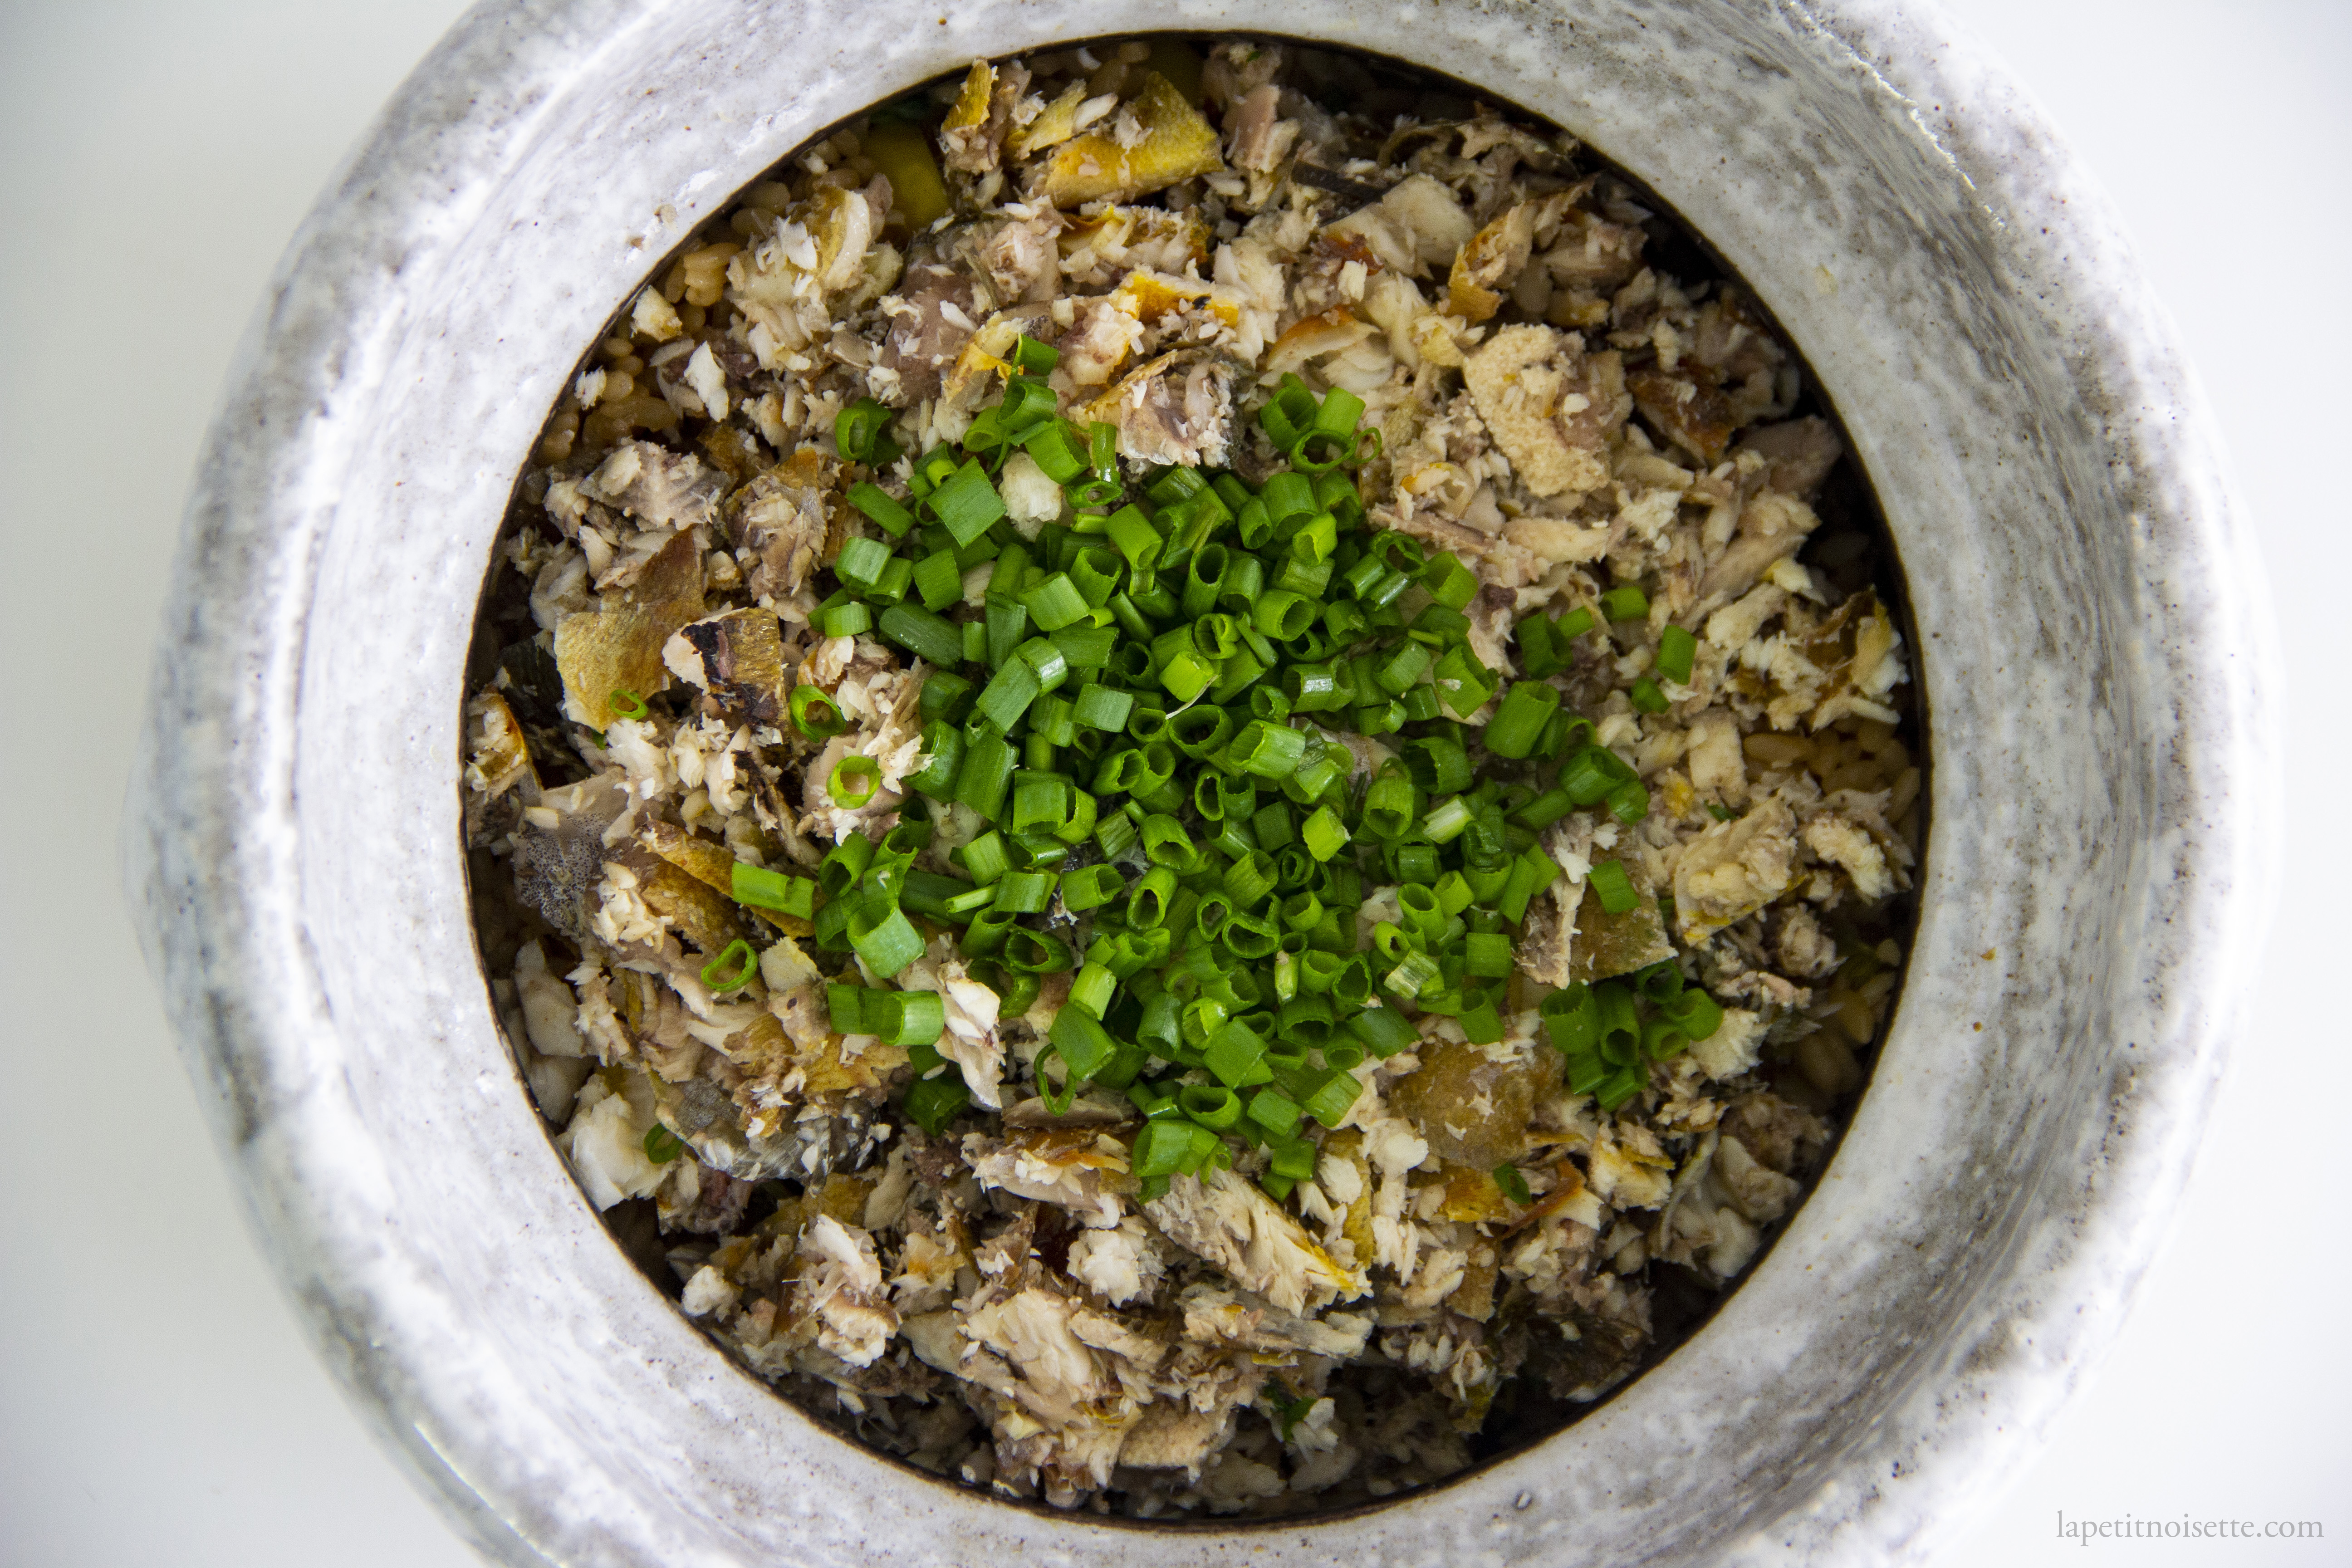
[(1820, 1044)]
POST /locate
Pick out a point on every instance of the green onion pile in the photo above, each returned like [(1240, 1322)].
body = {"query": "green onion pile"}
[(1125, 714)]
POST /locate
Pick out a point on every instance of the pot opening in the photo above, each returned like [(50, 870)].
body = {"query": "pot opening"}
[(974, 352)]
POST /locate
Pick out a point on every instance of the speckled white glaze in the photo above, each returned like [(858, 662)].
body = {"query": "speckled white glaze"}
[(2097, 876)]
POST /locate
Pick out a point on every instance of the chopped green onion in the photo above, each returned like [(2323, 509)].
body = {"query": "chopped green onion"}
[(737, 958), (1662, 1040), (1135, 539), (1383, 1030), (1290, 412), (1446, 823), (1249, 879), (1162, 1149), (854, 780), (1513, 1184), (845, 864), (1697, 1014), (1415, 973), (923, 634), (845, 620), (1620, 1086), (1318, 451), (861, 562), (1040, 799), (1092, 989), (1294, 1160), (662, 1145), (1034, 358), (1193, 628), (1025, 892), (1463, 683), (1094, 494), (944, 695), (1085, 1046), (861, 431), (886, 944), (932, 1103), (1330, 1103), (844, 1007), (1235, 1055), (1083, 648), (1276, 1112), (909, 1017), (1592, 774), (966, 504), (764, 890), (1530, 874), (1661, 982), (1629, 802), (1054, 446), (1103, 708), (1402, 669), (1486, 956), (1282, 615), (1055, 602), (627, 705), (1676, 649), (883, 508), (1324, 833), (1625, 604), (1519, 722), (1340, 412), (1449, 582), (1184, 673), (1213, 1105), (1544, 809), (1612, 887), (1269, 750), (1091, 886), (1008, 693)]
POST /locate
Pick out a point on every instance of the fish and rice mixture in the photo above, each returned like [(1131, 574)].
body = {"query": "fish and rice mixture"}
[(1172, 788)]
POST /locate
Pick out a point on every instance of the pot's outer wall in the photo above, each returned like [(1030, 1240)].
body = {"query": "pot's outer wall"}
[(2094, 656)]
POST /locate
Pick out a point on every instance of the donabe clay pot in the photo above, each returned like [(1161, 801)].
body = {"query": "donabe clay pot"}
[(2089, 637)]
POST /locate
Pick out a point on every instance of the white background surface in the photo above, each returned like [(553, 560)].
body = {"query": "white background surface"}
[(156, 1403)]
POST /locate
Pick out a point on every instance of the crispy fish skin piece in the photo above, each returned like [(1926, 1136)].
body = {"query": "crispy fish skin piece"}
[(707, 919), (1690, 408), (698, 858), (969, 111), (1054, 125), (618, 647), (1177, 144), (1609, 944), (738, 657), (1472, 1104)]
